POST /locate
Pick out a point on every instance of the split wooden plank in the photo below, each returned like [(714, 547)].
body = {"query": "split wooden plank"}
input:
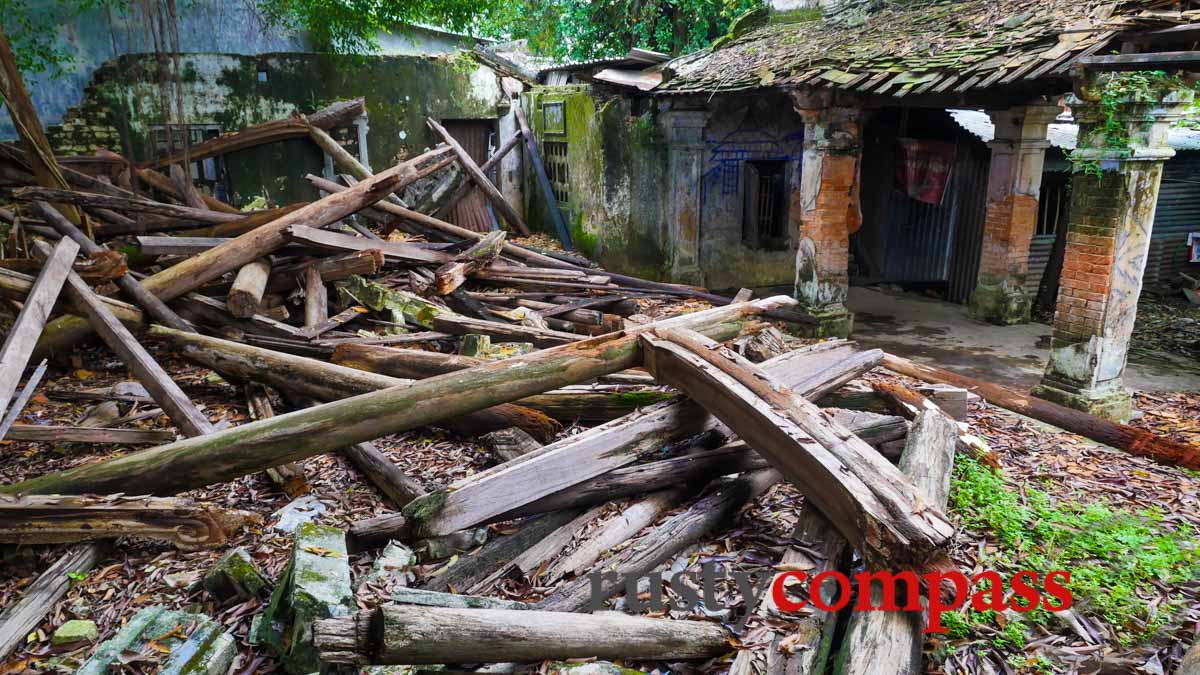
[(713, 512), (316, 299), (94, 435), (870, 502), (25, 330), (1131, 439), (14, 411), (881, 642), (20, 618), (402, 634), (453, 274), (225, 455), (54, 519), (289, 477), (570, 461), (157, 381), (481, 180), (248, 287)]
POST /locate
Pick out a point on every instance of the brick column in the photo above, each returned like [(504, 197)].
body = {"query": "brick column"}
[(1113, 195), (829, 205), (1014, 178), (684, 131)]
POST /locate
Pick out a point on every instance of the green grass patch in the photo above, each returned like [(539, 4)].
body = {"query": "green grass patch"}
[(1110, 552)]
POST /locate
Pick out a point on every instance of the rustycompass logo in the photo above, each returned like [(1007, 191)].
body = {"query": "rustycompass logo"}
[(831, 591)]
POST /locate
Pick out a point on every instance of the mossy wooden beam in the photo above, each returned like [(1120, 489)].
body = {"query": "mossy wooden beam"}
[(229, 454)]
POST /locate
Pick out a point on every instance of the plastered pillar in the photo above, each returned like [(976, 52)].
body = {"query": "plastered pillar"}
[(1114, 191), (1014, 179), (829, 209), (684, 131)]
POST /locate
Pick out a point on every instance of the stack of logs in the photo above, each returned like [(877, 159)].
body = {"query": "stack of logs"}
[(370, 317)]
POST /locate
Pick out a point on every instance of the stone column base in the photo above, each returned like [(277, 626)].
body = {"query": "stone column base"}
[(1002, 303), (833, 322), (1112, 402)]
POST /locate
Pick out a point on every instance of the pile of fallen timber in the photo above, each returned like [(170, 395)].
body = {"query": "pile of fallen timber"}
[(628, 421)]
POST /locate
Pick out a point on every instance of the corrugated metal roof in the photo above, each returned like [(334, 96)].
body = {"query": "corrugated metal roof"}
[(1064, 133)]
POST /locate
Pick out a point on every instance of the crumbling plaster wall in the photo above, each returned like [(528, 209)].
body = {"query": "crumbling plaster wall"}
[(622, 188), (124, 101)]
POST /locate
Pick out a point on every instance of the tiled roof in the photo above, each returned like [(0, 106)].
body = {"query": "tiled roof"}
[(923, 46)]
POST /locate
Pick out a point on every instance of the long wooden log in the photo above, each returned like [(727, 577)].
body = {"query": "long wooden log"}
[(481, 181), (21, 617), (883, 642), (572, 460), (23, 334), (334, 115), (403, 634), (129, 286), (253, 447), (1131, 439), (53, 519), (867, 498), (92, 200), (200, 269), (712, 513), (37, 433), (157, 381), (313, 379), (248, 287)]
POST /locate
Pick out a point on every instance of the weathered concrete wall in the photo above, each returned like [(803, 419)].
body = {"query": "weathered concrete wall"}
[(124, 100), (615, 177), (741, 129), (661, 194)]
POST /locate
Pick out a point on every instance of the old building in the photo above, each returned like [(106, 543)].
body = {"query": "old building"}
[(813, 142)]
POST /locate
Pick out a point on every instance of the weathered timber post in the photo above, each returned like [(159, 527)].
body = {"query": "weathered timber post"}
[(829, 212), (1117, 170), (1014, 179)]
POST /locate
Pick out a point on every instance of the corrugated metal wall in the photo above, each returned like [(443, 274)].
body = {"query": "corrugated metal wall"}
[(1178, 213)]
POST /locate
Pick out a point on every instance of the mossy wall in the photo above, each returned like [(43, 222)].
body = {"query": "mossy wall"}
[(614, 204), (124, 100), (618, 194)]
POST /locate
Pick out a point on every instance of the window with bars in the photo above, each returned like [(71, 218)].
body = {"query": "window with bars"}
[(764, 225), (554, 157), (208, 174)]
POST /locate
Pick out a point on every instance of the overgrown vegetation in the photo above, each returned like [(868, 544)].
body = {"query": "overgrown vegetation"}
[(1110, 552)]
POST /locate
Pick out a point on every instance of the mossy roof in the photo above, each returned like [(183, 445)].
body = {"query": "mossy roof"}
[(920, 46)]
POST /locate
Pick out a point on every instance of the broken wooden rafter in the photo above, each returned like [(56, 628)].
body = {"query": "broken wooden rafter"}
[(54, 519), (865, 497)]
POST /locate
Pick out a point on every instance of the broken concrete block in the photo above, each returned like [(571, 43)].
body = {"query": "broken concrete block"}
[(303, 510), (315, 585), (75, 630), (197, 645), (235, 577), (392, 565)]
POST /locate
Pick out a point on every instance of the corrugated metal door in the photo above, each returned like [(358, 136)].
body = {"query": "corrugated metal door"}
[(471, 211)]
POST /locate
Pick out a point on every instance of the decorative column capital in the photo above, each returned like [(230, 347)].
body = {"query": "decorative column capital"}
[(1119, 123)]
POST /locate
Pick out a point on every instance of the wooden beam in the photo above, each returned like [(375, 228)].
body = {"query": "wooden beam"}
[(870, 502), (27, 328)]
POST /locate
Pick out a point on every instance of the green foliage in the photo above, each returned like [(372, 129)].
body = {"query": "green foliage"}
[(1111, 553), (585, 30), (32, 30)]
